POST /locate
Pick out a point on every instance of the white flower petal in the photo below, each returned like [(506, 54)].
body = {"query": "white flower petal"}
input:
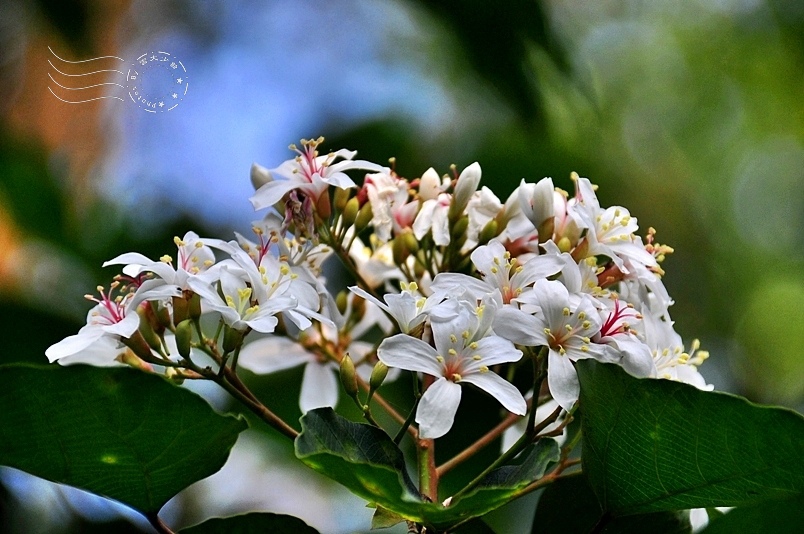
[(409, 353), (499, 388), (272, 354), (562, 380), (319, 387), (519, 327), (436, 412), (75, 343)]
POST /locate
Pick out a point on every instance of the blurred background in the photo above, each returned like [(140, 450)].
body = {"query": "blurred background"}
[(690, 114)]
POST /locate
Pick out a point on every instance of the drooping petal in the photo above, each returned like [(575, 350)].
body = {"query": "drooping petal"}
[(319, 387), (436, 412), (562, 380), (272, 354), (499, 388), (409, 353), (272, 192), (76, 343)]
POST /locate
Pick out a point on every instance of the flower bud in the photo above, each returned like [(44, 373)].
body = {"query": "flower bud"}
[(180, 310), (162, 315), (488, 232), (349, 376), (358, 306), (184, 337), (341, 197), (147, 331), (260, 176), (536, 201), (465, 187), (350, 211), (429, 185), (194, 305), (378, 375), (459, 228), (132, 360), (364, 217), (231, 338), (400, 250), (172, 374), (342, 301), (323, 205)]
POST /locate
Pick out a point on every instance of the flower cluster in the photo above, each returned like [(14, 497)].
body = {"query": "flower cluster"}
[(451, 283)]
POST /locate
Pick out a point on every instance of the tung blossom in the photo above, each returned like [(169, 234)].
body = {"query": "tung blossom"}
[(459, 355)]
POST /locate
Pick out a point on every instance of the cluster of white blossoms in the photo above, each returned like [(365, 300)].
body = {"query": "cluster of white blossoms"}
[(485, 284)]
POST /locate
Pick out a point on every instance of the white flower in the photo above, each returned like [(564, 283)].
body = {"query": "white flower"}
[(434, 216), (308, 172), (375, 266), (465, 187), (408, 308), (499, 273), (458, 357), (483, 207), (109, 321), (388, 196), (536, 202), (194, 259), (671, 360)]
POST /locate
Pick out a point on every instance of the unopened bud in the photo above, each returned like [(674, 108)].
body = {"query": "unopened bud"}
[(132, 360), (350, 211), (231, 338), (260, 176), (340, 199), (488, 232), (464, 189), (172, 374), (545, 230), (364, 217), (418, 270), (378, 375), (411, 242), (162, 315), (460, 226), (342, 301), (400, 250), (358, 306), (184, 337), (147, 331), (180, 310), (349, 376), (194, 306), (564, 244), (324, 206)]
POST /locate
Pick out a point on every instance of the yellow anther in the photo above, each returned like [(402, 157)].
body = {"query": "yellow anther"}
[(244, 293), (230, 301), (293, 276), (178, 241), (473, 345), (195, 270), (568, 327), (262, 269), (561, 351), (166, 259), (566, 312), (194, 259), (284, 270), (476, 357), (199, 244), (582, 316), (547, 331), (413, 286), (586, 324), (208, 263), (507, 255), (496, 261), (453, 338), (440, 358), (479, 311), (453, 352), (456, 377), (494, 270), (253, 309), (484, 369), (616, 212), (465, 334), (519, 269)]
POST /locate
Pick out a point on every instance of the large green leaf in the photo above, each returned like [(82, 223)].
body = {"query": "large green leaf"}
[(568, 506), (364, 459), (120, 433), (653, 445), (254, 523), (779, 517)]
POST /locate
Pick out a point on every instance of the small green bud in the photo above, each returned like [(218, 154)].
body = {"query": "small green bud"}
[(364, 217), (174, 375), (147, 331), (488, 232), (350, 211), (411, 242), (342, 301), (564, 244), (132, 360), (341, 197), (180, 310), (378, 375), (324, 206), (184, 337), (162, 314), (400, 250), (231, 338), (460, 226), (194, 305), (349, 376)]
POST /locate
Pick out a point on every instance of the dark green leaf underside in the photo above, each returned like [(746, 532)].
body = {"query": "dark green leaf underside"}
[(119, 432), (255, 523), (655, 445), (365, 460)]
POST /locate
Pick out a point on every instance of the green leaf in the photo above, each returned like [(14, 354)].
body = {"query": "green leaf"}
[(255, 523), (780, 517), (364, 459), (119, 432), (569, 506), (653, 445)]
